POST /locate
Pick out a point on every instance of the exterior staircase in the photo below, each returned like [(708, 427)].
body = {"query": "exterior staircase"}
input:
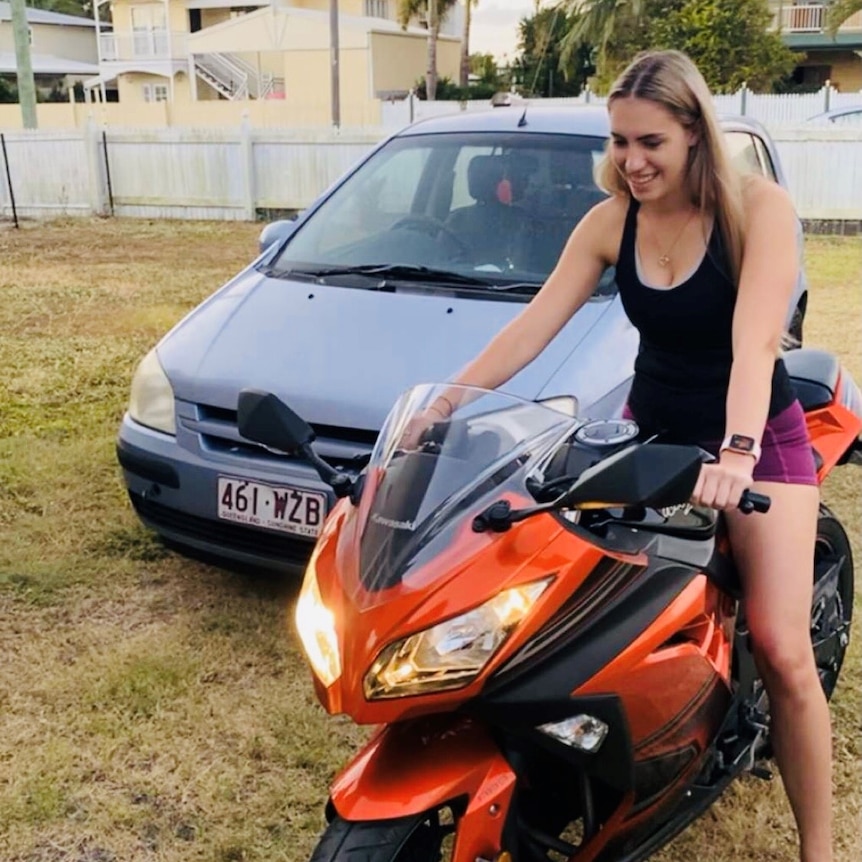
[(232, 77)]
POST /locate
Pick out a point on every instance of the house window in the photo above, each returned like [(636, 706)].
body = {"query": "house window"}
[(376, 8), (149, 33), (155, 92)]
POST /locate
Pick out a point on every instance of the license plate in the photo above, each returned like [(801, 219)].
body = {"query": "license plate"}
[(273, 507)]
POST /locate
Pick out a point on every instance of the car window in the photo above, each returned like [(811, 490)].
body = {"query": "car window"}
[(765, 158), (743, 152), (381, 195), (851, 119), (473, 203)]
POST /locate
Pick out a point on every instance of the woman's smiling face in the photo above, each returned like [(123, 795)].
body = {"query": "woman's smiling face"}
[(649, 147)]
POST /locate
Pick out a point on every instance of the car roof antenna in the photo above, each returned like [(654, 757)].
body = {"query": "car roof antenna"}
[(523, 121)]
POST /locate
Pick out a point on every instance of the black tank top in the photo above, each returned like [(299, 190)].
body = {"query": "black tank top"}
[(682, 369)]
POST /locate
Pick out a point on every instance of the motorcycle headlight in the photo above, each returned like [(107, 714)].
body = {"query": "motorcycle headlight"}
[(451, 654), (316, 626), (151, 402)]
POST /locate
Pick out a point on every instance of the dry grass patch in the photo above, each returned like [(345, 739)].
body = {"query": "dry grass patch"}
[(153, 707)]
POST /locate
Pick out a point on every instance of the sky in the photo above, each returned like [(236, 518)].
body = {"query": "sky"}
[(494, 26)]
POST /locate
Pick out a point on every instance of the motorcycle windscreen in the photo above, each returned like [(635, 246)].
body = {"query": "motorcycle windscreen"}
[(423, 489)]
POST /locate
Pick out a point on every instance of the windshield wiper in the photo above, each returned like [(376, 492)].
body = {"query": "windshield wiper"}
[(404, 272)]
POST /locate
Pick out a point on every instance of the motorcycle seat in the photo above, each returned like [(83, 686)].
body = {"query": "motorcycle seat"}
[(814, 376)]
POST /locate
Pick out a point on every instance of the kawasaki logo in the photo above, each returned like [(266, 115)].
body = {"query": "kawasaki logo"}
[(395, 525)]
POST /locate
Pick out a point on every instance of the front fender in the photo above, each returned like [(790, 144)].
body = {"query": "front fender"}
[(424, 764)]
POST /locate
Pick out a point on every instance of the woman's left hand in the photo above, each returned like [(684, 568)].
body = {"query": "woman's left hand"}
[(720, 485)]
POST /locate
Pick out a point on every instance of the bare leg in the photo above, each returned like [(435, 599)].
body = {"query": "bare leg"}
[(775, 553)]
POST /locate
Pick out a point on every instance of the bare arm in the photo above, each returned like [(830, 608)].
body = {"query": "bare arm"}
[(769, 269), (585, 256), (769, 272)]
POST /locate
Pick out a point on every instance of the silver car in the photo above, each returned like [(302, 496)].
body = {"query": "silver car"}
[(399, 274)]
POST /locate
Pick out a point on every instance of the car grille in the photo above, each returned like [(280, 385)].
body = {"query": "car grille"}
[(285, 551), (341, 447)]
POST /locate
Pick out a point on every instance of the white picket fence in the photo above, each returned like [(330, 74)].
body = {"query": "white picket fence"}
[(775, 111), (229, 174)]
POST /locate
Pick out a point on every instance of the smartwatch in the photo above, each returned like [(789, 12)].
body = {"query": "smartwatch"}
[(742, 445)]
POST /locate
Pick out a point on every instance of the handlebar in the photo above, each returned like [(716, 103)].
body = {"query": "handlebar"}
[(751, 501)]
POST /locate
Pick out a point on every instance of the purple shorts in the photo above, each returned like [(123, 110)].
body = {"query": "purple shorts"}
[(786, 452)]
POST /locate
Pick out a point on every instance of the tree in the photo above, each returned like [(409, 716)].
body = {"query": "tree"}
[(594, 22), (730, 40), (484, 66), (81, 8), (465, 43), (433, 11), (540, 68), (839, 12)]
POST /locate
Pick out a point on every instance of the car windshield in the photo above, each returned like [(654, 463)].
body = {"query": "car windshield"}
[(493, 208), (418, 499)]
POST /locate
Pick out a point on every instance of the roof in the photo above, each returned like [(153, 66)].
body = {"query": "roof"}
[(289, 28), (589, 120), (40, 16), (830, 116), (46, 64), (574, 120)]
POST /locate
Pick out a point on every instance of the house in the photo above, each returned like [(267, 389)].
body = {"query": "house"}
[(63, 48), (837, 59), (188, 51)]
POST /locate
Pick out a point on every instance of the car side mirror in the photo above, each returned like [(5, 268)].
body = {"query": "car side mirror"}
[(275, 232), (265, 418)]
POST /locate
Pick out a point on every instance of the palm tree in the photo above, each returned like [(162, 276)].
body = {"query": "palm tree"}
[(839, 12), (435, 11), (595, 21), (464, 78)]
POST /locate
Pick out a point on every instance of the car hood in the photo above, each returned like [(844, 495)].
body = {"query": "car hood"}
[(340, 356)]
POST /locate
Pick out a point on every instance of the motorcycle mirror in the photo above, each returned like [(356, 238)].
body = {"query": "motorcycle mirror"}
[(265, 418), (654, 475)]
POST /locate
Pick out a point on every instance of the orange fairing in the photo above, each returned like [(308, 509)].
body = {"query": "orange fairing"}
[(684, 653), (833, 430), (533, 549), (421, 765)]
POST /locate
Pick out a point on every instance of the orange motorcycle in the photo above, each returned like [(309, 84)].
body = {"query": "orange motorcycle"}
[(546, 633)]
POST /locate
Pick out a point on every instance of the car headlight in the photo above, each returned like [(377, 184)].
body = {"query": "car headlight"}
[(452, 654), (151, 402), (316, 626)]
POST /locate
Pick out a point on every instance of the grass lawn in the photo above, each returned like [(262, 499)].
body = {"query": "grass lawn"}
[(156, 708)]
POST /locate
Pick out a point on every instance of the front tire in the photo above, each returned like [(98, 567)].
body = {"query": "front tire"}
[(417, 838)]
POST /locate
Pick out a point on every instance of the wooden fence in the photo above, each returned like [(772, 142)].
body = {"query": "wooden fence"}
[(234, 173)]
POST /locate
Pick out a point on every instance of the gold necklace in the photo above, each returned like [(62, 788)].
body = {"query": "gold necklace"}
[(664, 259)]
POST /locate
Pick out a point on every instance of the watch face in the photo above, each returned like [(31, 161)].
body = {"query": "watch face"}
[(741, 442)]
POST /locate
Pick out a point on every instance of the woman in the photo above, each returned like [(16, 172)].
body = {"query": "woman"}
[(706, 265)]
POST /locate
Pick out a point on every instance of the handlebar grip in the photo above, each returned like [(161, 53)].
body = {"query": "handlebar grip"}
[(751, 501)]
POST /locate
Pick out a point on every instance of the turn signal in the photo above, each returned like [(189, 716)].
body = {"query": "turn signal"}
[(584, 732)]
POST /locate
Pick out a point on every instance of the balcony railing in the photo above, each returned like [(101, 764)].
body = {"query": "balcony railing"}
[(803, 19), (143, 45), (812, 18)]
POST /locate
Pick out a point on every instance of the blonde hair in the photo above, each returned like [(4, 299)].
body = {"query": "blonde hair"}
[(670, 79)]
